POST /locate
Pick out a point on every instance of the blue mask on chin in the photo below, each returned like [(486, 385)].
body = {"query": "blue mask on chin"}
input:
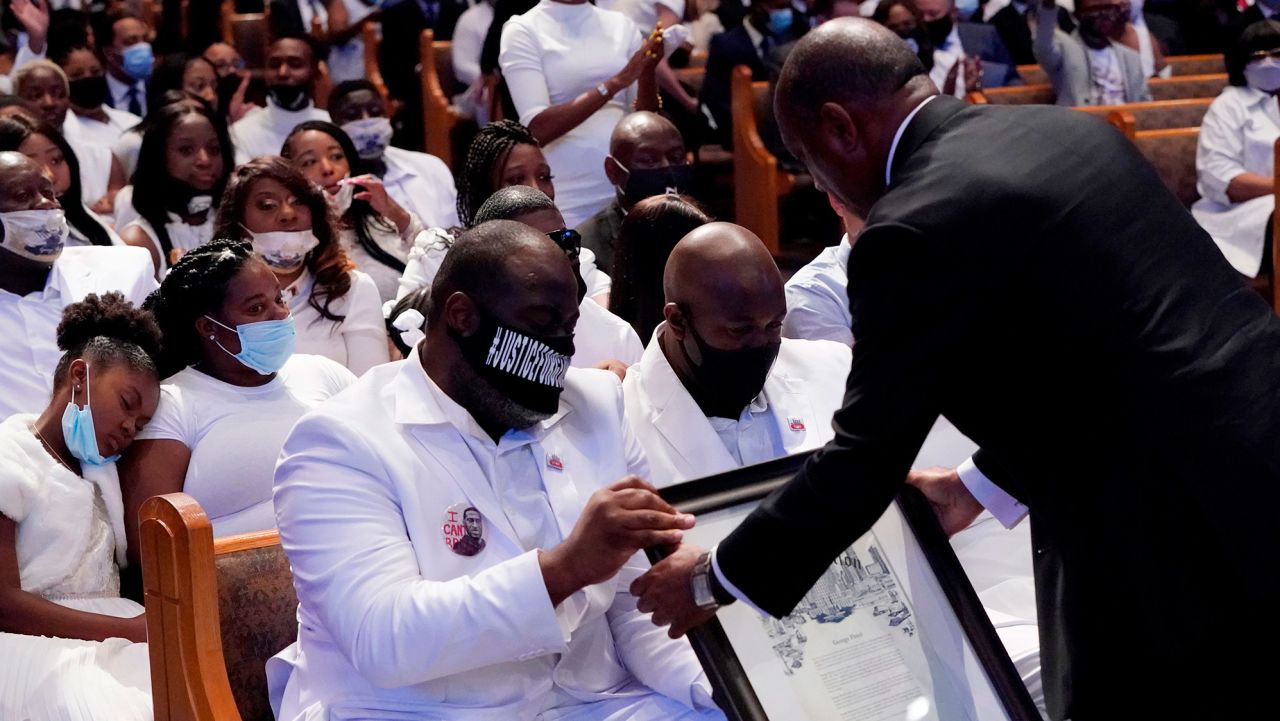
[(265, 346), (78, 431)]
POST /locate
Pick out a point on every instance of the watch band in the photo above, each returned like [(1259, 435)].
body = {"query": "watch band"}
[(721, 594), (700, 584)]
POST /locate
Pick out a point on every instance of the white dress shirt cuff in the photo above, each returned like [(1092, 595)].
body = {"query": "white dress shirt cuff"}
[(732, 589), (570, 612), (1003, 506)]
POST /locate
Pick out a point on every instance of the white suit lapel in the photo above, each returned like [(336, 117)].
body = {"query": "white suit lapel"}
[(696, 450), (791, 410)]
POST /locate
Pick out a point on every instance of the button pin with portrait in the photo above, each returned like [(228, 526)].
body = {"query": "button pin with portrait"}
[(463, 529)]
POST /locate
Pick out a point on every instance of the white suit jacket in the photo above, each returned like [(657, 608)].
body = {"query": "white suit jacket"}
[(804, 389), (393, 624)]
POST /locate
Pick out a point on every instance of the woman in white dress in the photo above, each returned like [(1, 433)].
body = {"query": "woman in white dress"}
[(573, 71), (233, 389), (376, 231), (287, 219), (183, 166), (72, 648), (1235, 160), (45, 145)]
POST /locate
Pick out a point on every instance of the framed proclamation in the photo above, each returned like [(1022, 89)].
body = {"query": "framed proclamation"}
[(892, 632)]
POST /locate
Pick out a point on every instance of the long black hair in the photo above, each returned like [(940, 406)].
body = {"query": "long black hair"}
[(15, 130), (1262, 35), (487, 152), (360, 216), (152, 186), (195, 286), (648, 235)]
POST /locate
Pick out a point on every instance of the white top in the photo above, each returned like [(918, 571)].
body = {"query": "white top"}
[(753, 436), (600, 335), (1238, 135), (119, 92), (346, 61), (79, 129), (126, 149), (818, 298), (95, 168), (423, 185), (551, 55), (262, 131), (468, 41), (235, 435), (182, 237), (644, 13), (945, 56), (359, 341), (26, 367), (1106, 75), (389, 239)]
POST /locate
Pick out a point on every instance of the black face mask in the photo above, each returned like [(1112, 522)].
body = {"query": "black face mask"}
[(1097, 29), (227, 87), (289, 97), (644, 183), (729, 379), (527, 370), (88, 92), (938, 30)]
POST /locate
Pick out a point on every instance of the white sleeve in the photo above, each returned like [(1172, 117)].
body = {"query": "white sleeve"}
[(425, 257), (363, 330), (1220, 151), (468, 40), (637, 42), (813, 315), (1003, 506), (354, 567), (521, 61), (20, 486), (171, 421)]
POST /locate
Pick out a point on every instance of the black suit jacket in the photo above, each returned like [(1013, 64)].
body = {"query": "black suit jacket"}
[(1016, 34), (727, 51), (1063, 310), (402, 24)]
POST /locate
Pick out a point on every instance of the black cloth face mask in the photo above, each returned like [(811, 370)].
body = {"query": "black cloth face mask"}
[(88, 92), (644, 183), (528, 370), (730, 379), (939, 29), (289, 97)]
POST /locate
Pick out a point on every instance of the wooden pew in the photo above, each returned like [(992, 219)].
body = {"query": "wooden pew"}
[(1040, 94), (216, 611), (1187, 86), (248, 33), (1155, 115), (758, 181), (441, 119), (1173, 154), (1196, 64), (1033, 74), (372, 71)]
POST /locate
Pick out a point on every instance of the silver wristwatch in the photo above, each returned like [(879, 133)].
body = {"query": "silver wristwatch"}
[(700, 584), (604, 91)]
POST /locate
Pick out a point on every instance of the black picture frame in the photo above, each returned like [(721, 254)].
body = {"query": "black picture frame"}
[(732, 688)]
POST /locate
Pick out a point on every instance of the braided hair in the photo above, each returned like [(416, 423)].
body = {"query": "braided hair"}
[(195, 286), (14, 131), (487, 152), (360, 216), (105, 330)]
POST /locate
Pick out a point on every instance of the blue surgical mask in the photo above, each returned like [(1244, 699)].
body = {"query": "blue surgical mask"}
[(138, 60), (265, 346), (780, 21), (78, 432)]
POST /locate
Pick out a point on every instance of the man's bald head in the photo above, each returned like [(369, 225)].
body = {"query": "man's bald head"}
[(641, 127), (643, 142), (26, 184), (842, 94)]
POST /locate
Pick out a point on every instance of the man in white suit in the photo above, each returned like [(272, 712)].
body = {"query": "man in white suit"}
[(718, 387), (402, 619)]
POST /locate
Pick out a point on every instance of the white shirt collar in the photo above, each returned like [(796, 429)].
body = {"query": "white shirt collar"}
[(120, 91), (893, 149), (952, 43), (756, 36), (278, 116)]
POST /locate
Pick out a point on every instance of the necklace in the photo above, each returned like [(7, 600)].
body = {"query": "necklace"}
[(49, 447)]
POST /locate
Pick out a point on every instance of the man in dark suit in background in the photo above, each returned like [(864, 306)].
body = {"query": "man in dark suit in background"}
[(760, 43), (1024, 272), (966, 56), (402, 23)]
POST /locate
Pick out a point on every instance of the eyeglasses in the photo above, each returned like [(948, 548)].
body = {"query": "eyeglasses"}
[(1264, 54), (569, 241)]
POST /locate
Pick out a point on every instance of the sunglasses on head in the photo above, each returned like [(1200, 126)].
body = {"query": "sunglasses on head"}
[(568, 240), (1274, 54)]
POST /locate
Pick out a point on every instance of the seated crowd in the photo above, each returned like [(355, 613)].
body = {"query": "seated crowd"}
[(211, 284)]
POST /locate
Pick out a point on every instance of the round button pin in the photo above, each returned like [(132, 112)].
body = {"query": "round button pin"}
[(463, 529)]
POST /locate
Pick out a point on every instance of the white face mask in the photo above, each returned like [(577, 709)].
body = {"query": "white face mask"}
[(341, 200), (284, 250), (37, 235), (371, 136), (1263, 75)]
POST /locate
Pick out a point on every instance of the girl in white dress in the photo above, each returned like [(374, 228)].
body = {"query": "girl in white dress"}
[(182, 169), (574, 70), (233, 389), (70, 648), (286, 218), (376, 231)]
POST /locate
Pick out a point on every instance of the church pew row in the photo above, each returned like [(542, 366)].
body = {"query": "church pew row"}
[(1033, 74), (1175, 88)]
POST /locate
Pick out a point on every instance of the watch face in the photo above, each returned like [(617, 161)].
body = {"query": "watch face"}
[(701, 587)]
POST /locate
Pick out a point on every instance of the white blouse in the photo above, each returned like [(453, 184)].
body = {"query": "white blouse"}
[(182, 238), (359, 341), (1238, 135), (235, 435), (551, 55)]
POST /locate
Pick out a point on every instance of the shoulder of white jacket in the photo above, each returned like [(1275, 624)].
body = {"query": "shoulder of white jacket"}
[(120, 265), (811, 355), (591, 390)]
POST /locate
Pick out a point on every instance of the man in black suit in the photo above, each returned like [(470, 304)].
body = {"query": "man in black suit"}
[(1014, 27), (759, 43), (966, 56), (402, 24), (1024, 272)]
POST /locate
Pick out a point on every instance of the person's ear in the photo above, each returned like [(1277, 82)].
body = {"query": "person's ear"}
[(837, 133), (676, 321), (205, 328), (77, 372), (461, 314), (614, 172)]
